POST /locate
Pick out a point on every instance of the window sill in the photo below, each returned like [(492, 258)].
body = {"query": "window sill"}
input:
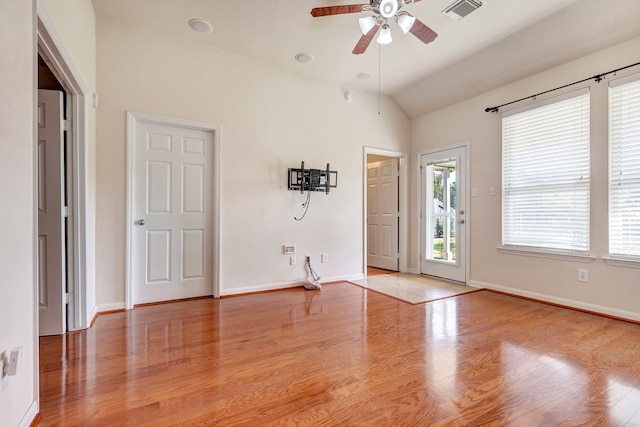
[(622, 262), (530, 252)]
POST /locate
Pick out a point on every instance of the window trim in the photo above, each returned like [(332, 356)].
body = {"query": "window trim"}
[(542, 252), (619, 260)]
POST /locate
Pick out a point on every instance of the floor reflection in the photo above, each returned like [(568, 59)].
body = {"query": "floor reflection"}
[(344, 355)]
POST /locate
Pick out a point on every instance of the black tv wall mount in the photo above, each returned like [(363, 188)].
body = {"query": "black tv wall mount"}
[(312, 179)]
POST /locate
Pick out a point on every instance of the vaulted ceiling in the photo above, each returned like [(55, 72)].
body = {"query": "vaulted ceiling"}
[(502, 41)]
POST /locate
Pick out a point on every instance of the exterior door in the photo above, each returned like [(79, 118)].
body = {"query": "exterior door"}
[(382, 214), (51, 226), (172, 213), (443, 214)]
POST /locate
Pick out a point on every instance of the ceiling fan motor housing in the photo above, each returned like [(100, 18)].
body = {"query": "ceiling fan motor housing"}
[(386, 8)]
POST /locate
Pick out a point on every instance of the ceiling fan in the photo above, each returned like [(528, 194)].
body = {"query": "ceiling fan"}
[(383, 10)]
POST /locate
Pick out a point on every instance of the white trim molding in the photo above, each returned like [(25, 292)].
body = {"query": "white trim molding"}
[(419, 182), (132, 119), (531, 252), (112, 306), (30, 415), (403, 200), (81, 276), (597, 309), (286, 285), (261, 288), (622, 262)]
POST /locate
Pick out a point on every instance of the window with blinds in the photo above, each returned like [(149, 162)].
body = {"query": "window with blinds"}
[(545, 175), (624, 167)]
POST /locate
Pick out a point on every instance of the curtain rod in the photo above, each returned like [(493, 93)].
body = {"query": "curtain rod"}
[(598, 78)]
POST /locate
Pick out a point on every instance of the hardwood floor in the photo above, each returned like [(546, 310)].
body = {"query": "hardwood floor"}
[(344, 356), (374, 271)]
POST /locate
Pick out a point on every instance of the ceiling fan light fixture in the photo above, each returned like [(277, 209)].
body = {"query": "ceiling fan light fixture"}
[(366, 24), (385, 35), (405, 22), (388, 8)]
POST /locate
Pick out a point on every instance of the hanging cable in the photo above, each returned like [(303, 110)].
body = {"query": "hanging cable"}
[(379, 77), (597, 78), (313, 279), (305, 205)]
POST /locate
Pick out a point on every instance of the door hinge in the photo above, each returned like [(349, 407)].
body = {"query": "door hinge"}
[(66, 298), (398, 214), (66, 211), (67, 125)]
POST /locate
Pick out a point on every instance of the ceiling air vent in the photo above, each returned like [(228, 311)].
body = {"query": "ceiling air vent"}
[(462, 8)]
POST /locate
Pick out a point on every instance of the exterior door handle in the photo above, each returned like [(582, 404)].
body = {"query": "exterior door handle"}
[(140, 222)]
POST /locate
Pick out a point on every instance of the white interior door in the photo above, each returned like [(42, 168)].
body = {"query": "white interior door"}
[(51, 246), (443, 214), (382, 214), (172, 212)]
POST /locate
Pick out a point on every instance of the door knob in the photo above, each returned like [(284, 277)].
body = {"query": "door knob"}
[(140, 222), (462, 221)]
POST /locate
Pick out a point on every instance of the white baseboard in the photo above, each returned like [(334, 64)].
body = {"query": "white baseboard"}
[(260, 288), (346, 278), (109, 307), (285, 285), (30, 415), (412, 271), (558, 300)]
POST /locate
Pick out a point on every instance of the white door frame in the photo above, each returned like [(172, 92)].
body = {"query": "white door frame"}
[(402, 199), (52, 50), (421, 203), (132, 121)]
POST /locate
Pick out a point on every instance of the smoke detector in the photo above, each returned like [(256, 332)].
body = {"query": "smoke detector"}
[(462, 8)]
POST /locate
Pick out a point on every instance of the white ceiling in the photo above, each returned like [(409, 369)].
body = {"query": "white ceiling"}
[(501, 42)]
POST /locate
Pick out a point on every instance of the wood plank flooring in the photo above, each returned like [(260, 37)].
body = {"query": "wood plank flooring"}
[(344, 356)]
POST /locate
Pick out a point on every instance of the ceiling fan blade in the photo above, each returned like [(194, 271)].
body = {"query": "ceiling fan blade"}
[(424, 33), (365, 40), (336, 10)]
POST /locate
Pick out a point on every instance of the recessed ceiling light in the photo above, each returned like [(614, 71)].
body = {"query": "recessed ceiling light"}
[(304, 57), (363, 76), (200, 26)]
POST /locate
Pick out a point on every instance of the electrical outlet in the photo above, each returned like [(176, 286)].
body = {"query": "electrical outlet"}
[(292, 260), (14, 361), (583, 275), (324, 258)]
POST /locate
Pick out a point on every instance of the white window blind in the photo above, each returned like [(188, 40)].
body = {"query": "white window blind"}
[(545, 175), (624, 167)]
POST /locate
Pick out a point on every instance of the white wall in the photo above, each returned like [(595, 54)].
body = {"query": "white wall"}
[(17, 257), (270, 120), (610, 289)]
